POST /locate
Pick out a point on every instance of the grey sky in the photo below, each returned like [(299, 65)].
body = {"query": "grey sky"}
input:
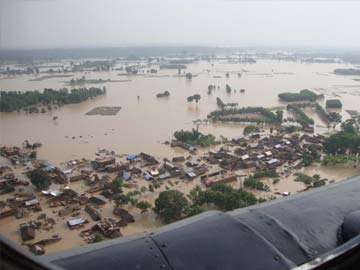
[(78, 23)]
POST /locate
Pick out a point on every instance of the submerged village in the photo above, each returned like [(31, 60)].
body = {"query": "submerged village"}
[(47, 207)]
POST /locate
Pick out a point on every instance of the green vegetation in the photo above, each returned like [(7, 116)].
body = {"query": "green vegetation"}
[(300, 116), (39, 179), (222, 196), (195, 97), (310, 155), (260, 115), (220, 103), (104, 111), (330, 160), (279, 115), (164, 94), (311, 182), (300, 177), (211, 87), (33, 155), (194, 210), (228, 89), (322, 113), (98, 237), (195, 137), (15, 100), (342, 143), (82, 80), (318, 183), (333, 103), (99, 65), (116, 185), (250, 129), (304, 95), (253, 180), (345, 142), (232, 104), (276, 180), (252, 183), (7, 188), (334, 117), (170, 205), (143, 206), (347, 71)]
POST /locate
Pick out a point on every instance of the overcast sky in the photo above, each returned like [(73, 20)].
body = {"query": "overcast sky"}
[(89, 23)]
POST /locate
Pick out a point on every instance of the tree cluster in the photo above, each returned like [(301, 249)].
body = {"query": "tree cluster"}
[(194, 137), (303, 95), (15, 100)]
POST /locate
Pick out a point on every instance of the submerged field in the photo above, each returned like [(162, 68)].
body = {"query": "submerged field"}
[(144, 123)]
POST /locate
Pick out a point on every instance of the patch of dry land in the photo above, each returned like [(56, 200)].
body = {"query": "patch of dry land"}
[(104, 111)]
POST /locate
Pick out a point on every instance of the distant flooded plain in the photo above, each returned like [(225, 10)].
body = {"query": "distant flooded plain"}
[(143, 124)]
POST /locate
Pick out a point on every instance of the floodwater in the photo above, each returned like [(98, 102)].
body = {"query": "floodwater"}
[(143, 125)]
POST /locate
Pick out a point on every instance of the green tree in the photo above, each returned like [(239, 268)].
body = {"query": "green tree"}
[(190, 99), (228, 89), (170, 205), (197, 97), (40, 179)]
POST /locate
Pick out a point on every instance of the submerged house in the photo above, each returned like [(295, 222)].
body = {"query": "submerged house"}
[(101, 163), (218, 177), (149, 160), (75, 223), (6, 211)]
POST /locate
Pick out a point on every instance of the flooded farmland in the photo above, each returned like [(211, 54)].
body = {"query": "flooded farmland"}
[(144, 124)]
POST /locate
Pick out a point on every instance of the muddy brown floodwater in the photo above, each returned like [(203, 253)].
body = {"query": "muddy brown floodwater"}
[(143, 125)]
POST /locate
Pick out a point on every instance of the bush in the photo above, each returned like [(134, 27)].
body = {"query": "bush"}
[(254, 183), (98, 237), (250, 129), (300, 177), (240, 115), (143, 206)]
